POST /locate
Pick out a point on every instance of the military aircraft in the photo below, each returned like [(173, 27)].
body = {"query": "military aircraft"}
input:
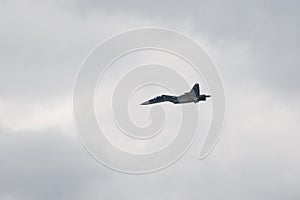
[(192, 96)]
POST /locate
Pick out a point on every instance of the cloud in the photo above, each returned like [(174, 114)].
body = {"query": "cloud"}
[(254, 44)]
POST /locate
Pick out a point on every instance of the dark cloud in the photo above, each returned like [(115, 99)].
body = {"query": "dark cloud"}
[(269, 29), (44, 165)]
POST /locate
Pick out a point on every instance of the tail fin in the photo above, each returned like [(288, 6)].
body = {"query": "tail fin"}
[(196, 89)]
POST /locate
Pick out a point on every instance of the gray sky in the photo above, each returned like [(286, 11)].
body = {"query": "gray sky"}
[(255, 45)]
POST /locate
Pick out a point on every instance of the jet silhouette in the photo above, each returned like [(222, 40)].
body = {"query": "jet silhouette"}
[(192, 96)]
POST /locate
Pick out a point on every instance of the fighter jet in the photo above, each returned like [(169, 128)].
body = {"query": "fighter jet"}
[(192, 96)]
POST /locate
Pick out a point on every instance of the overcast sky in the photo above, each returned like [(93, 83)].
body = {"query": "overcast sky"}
[(255, 45)]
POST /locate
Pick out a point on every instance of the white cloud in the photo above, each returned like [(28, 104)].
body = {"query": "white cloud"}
[(36, 116)]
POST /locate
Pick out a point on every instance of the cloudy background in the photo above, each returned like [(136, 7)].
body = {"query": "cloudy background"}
[(255, 45)]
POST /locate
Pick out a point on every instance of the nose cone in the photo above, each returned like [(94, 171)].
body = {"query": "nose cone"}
[(207, 96), (145, 103)]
